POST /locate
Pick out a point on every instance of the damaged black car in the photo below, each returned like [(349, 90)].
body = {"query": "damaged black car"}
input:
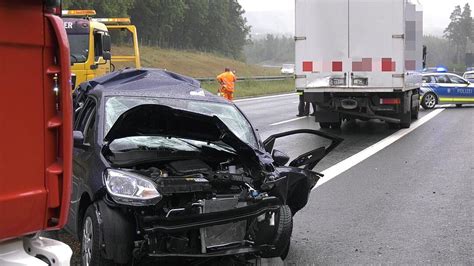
[(166, 170)]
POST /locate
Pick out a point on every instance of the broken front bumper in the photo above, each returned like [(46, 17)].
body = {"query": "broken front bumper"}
[(222, 233)]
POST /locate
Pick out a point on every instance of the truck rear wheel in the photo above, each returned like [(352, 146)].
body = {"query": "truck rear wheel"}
[(415, 113), (336, 125), (405, 123), (324, 125)]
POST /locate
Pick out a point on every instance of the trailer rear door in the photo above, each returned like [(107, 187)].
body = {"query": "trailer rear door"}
[(360, 42)]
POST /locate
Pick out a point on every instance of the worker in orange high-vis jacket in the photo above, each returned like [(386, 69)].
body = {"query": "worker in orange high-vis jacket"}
[(227, 81)]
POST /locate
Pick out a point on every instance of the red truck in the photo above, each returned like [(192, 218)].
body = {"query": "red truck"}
[(36, 134)]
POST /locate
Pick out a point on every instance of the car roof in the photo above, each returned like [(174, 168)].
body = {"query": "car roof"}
[(149, 82), (439, 74), (469, 72)]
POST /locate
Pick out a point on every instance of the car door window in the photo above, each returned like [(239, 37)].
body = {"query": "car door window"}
[(89, 130), (442, 79), (84, 115), (457, 80), (428, 79)]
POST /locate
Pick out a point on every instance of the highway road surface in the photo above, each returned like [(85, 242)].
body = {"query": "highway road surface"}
[(389, 196)]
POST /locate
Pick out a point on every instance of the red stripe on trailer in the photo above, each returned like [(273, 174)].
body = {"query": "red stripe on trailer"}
[(307, 66), (367, 64), (410, 65), (337, 66), (364, 66), (388, 65)]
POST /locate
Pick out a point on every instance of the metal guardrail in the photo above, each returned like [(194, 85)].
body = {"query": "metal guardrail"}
[(256, 78)]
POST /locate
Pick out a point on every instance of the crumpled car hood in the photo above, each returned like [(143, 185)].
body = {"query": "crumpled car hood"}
[(161, 120)]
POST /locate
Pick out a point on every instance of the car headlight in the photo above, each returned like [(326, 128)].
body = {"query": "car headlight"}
[(130, 188)]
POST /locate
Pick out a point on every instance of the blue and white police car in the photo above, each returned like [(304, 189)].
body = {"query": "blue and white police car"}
[(445, 88)]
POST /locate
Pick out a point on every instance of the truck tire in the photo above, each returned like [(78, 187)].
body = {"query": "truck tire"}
[(283, 231), (324, 125), (336, 125), (90, 247), (406, 124), (415, 113)]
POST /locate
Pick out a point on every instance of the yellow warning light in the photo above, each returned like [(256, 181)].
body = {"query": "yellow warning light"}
[(113, 20), (78, 12)]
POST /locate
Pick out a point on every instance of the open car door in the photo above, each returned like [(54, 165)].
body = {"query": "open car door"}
[(299, 172)]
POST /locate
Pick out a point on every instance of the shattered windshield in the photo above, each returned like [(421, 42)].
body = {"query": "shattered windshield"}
[(231, 116)]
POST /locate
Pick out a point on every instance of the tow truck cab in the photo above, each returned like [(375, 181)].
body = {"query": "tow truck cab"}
[(91, 44)]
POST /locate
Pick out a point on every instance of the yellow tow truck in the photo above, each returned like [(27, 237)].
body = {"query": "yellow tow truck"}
[(91, 45)]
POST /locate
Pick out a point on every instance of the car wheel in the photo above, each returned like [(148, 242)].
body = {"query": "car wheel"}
[(458, 105), (429, 101), (90, 248), (282, 239), (324, 125)]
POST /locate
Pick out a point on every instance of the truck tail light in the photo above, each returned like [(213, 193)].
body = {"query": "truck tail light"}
[(390, 101)]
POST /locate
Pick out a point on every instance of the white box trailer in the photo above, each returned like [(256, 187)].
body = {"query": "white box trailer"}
[(360, 59)]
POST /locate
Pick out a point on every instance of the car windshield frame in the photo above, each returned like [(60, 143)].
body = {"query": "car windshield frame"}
[(234, 119)]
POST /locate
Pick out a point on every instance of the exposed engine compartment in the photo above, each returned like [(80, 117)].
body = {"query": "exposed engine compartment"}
[(191, 188)]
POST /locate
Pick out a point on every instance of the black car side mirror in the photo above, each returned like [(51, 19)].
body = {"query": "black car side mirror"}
[(280, 158), (78, 138)]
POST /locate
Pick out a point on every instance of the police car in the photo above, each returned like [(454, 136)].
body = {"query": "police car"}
[(469, 76), (445, 88)]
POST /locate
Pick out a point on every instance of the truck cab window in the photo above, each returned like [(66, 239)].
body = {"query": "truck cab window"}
[(79, 47), (98, 50)]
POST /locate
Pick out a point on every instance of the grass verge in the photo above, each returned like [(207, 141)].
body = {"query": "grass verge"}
[(255, 88), (193, 63)]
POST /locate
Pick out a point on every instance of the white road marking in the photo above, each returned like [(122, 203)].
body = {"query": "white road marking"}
[(296, 102), (352, 161), (287, 121), (264, 97)]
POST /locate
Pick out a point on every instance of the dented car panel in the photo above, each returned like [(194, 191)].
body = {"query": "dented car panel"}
[(163, 169)]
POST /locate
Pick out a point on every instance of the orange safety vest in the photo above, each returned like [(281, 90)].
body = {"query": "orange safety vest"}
[(227, 80)]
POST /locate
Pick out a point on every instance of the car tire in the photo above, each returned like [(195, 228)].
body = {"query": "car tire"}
[(90, 246), (429, 101), (324, 125), (458, 105), (283, 231)]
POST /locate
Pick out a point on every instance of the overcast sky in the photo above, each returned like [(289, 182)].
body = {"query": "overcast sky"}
[(436, 12)]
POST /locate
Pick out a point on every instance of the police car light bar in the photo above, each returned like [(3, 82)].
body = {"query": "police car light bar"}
[(113, 20), (89, 12)]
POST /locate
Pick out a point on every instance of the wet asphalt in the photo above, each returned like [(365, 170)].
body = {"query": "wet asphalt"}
[(410, 203)]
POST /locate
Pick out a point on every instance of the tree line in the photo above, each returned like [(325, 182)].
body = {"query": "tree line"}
[(216, 26), (271, 50), (460, 33)]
